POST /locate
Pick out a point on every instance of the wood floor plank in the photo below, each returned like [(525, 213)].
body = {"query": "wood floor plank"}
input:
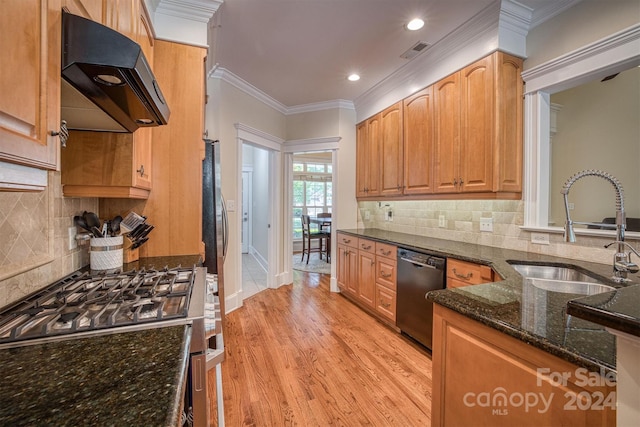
[(300, 355)]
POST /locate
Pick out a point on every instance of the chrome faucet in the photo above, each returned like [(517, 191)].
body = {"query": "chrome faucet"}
[(621, 260)]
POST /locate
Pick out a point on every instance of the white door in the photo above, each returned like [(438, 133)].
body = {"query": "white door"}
[(246, 204)]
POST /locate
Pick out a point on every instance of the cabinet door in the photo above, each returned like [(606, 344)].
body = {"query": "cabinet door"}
[(367, 277), (477, 127), (373, 156), (418, 143), (141, 169), (121, 15), (342, 270), (353, 286), (90, 9), (391, 151), (446, 96), (508, 162), (386, 302), (362, 159), (30, 82)]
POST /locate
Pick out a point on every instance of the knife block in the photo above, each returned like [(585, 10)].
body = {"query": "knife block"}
[(128, 254)]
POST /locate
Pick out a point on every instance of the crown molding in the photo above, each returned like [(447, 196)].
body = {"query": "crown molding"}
[(256, 136), (194, 10), (620, 50), (227, 76)]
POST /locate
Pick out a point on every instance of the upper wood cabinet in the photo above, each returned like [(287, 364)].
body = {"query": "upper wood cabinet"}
[(391, 156), (90, 9), (112, 165), (104, 164), (418, 142), (461, 137), (30, 34), (368, 157)]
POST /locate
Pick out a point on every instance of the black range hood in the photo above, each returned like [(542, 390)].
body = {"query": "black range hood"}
[(112, 72)]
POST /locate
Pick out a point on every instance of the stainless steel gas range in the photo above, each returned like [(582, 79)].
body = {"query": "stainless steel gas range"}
[(87, 304)]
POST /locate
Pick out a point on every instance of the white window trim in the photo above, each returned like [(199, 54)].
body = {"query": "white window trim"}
[(618, 52)]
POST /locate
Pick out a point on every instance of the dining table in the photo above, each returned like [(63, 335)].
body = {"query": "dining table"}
[(320, 221)]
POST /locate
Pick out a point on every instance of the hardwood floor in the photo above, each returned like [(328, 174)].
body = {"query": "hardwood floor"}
[(301, 355)]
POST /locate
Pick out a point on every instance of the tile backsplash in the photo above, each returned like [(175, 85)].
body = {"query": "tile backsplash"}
[(34, 239), (462, 223)]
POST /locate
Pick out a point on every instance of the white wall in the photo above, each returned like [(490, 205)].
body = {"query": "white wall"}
[(584, 23), (598, 127)]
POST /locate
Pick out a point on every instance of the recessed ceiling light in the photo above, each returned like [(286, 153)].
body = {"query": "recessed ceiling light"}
[(353, 77), (415, 24)]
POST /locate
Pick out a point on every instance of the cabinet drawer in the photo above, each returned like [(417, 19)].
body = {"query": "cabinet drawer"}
[(386, 302), (385, 250), (367, 245), (348, 240), (467, 272), (386, 271)]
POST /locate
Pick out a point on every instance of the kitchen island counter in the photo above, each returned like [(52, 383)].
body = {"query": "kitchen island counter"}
[(125, 378), (510, 306)]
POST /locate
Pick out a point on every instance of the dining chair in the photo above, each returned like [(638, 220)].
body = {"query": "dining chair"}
[(324, 227), (308, 236)]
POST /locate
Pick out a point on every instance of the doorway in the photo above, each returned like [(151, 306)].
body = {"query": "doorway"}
[(255, 219)]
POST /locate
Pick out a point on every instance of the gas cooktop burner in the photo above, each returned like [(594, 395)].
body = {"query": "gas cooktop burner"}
[(84, 302)]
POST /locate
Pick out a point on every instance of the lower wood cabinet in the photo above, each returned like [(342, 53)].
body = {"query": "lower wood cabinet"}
[(486, 378), (462, 273), (366, 273)]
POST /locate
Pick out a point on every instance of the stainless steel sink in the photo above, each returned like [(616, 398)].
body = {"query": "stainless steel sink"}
[(569, 287), (550, 272)]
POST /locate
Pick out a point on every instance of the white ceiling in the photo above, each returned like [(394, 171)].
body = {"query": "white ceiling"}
[(300, 52)]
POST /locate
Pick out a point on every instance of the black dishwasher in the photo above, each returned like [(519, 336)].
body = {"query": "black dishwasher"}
[(418, 273)]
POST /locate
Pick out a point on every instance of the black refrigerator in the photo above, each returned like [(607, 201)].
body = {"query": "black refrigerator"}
[(215, 227)]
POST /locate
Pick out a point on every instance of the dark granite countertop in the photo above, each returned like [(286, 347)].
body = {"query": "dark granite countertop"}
[(619, 309), (120, 379), (512, 305)]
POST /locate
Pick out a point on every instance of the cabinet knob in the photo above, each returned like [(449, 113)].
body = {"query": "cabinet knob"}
[(455, 182), (141, 170), (461, 182)]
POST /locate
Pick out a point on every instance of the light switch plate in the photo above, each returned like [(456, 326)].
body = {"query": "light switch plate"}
[(367, 214), (231, 205), (441, 221), (486, 224)]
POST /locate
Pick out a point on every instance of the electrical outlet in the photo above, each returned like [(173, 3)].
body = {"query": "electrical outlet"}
[(73, 243), (231, 205), (441, 221), (540, 238), (571, 206), (486, 224)]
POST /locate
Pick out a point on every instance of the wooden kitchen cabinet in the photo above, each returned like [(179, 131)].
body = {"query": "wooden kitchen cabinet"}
[(90, 9), (461, 137), (478, 128), (106, 164), (472, 361), (367, 275), (386, 280), (347, 269), (368, 157), (391, 151), (30, 35), (418, 143), (463, 273), (367, 271)]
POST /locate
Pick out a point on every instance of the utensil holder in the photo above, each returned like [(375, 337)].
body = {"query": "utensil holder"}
[(106, 253), (130, 255)]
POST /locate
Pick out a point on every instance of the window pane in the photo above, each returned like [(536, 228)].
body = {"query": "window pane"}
[(298, 193), (329, 168), (315, 167), (297, 225), (329, 193), (298, 167), (315, 193)]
